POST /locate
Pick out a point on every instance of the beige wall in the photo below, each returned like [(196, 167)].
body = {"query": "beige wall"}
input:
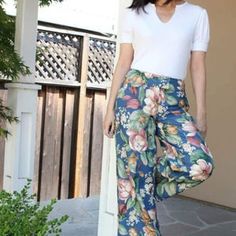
[(220, 188)]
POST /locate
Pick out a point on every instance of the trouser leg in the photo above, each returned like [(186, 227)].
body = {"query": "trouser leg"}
[(136, 163), (187, 160)]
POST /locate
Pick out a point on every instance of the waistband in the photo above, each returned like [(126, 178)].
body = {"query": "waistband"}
[(150, 74)]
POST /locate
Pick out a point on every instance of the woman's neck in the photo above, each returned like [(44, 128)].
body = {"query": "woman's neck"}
[(170, 4)]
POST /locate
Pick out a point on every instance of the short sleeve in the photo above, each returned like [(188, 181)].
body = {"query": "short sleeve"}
[(125, 31), (202, 33)]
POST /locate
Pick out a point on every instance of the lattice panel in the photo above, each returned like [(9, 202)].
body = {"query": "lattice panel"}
[(101, 60), (58, 60)]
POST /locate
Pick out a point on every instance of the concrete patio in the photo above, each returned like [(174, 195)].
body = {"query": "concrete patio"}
[(178, 216)]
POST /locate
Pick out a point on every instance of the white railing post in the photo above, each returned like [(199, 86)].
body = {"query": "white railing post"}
[(108, 209), (22, 98)]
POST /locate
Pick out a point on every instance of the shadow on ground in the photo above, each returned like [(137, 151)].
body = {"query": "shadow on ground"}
[(178, 216)]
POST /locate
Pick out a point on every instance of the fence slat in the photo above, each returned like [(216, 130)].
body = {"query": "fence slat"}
[(51, 145), (67, 143), (87, 141), (39, 131), (97, 143), (81, 120)]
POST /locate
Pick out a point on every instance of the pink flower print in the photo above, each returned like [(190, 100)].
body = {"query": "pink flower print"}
[(205, 149), (122, 208), (127, 97), (151, 107), (154, 96), (189, 127), (132, 103), (133, 90), (137, 140), (155, 93), (201, 170), (194, 141), (125, 189)]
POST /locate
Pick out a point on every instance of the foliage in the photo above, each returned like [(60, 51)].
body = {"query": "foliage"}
[(11, 64), (6, 114), (47, 2), (21, 215)]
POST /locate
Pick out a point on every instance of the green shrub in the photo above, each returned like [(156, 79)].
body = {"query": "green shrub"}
[(22, 215)]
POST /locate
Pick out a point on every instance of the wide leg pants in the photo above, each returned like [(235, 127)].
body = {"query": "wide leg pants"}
[(150, 107)]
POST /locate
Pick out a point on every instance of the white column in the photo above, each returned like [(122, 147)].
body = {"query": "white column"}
[(22, 98), (108, 209)]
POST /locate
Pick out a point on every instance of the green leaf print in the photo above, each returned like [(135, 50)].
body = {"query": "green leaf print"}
[(181, 119), (144, 158), (166, 171), (138, 120), (160, 187), (151, 126), (140, 201), (173, 139), (123, 137), (137, 207), (122, 230), (171, 100), (151, 159), (151, 142), (170, 188), (181, 179), (197, 154), (136, 180), (127, 148), (121, 169), (141, 94), (170, 88), (130, 203)]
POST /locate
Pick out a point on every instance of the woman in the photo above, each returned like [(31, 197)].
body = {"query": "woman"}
[(148, 102)]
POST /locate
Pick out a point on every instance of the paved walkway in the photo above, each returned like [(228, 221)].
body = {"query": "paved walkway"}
[(178, 216)]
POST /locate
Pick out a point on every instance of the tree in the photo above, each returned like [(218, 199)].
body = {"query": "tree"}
[(11, 64)]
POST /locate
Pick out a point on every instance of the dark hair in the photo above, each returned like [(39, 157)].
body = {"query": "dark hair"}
[(140, 4)]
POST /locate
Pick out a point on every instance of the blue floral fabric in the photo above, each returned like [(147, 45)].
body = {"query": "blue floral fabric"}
[(150, 107)]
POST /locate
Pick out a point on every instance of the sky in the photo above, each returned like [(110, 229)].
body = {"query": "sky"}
[(91, 14)]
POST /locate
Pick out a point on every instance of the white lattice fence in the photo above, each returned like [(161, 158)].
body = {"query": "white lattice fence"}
[(101, 61), (59, 59)]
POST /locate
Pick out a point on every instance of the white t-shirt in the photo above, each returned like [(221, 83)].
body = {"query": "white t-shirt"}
[(164, 47)]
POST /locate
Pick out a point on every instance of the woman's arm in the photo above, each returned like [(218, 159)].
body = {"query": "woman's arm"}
[(122, 67), (198, 75)]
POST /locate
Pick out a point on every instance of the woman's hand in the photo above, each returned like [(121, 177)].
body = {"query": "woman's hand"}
[(201, 123), (109, 124)]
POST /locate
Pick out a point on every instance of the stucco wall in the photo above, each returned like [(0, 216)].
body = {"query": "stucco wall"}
[(221, 100)]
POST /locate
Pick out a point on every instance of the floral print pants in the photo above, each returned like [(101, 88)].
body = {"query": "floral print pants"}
[(150, 107)]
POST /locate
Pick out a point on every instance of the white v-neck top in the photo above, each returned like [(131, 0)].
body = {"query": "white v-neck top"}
[(161, 47)]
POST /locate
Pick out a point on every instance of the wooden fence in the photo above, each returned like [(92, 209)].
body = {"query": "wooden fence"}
[(74, 70)]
